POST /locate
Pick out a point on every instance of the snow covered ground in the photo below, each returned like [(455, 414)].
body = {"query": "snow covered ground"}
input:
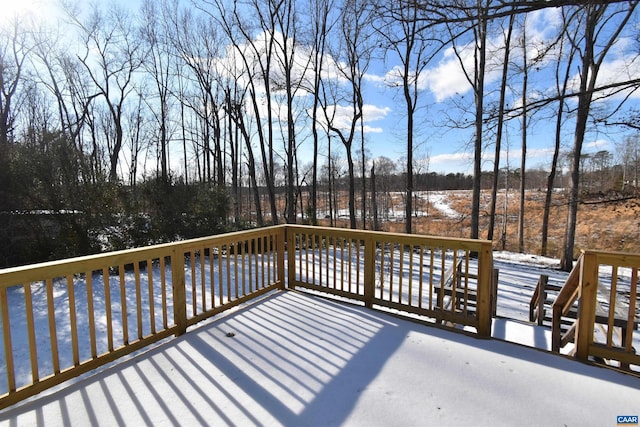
[(439, 200), (294, 359)]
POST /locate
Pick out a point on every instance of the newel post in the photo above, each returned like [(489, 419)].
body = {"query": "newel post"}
[(587, 294), (369, 270), (280, 248), (290, 235), (179, 292), (485, 290)]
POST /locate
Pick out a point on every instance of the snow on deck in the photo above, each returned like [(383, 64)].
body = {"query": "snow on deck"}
[(296, 359)]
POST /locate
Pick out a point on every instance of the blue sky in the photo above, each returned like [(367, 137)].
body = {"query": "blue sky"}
[(444, 85), (438, 146)]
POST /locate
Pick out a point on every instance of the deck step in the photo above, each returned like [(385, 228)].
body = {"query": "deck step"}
[(520, 332)]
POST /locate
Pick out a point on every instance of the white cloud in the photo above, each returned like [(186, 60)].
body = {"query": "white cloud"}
[(375, 78), (451, 162), (598, 144), (343, 116), (618, 70), (373, 113), (371, 129), (447, 78), (463, 161), (451, 157), (393, 78)]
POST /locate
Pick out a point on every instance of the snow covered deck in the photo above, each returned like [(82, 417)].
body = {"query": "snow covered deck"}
[(295, 359)]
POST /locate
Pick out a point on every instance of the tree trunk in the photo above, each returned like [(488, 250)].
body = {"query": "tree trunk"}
[(523, 161), (588, 71), (496, 160), (409, 190), (330, 181), (363, 193), (352, 191), (554, 162), (481, 50), (374, 198)]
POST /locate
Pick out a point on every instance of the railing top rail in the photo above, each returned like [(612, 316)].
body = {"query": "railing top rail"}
[(623, 259), (568, 293), (233, 236), (402, 237), (34, 272)]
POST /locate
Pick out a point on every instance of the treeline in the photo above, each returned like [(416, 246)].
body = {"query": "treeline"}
[(176, 119), (47, 215)]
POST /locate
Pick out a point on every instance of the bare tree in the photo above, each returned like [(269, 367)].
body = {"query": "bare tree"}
[(198, 40), (415, 47), (595, 44), (159, 69), (499, 127), (354, 52), (562, 82), (628, 157), (321, 26), (111, 56), (524, 129), (374, 198), (66, 79), (254, 44), (14, 51), (285, 33), (466, 21), (385, 170), (238, 114)]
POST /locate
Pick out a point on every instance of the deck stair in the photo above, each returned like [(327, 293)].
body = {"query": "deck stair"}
[(457, 293), (543, 298), (541, 311), (452, 291)]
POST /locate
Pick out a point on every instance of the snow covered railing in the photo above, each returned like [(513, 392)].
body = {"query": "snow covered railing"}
[(64, 318), (397, 271), (605, 284)]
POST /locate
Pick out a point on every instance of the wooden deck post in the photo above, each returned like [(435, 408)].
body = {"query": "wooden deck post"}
[(280, 248), (542, 297), (369, 270), (6, 334), (179, 292), (485, 287), (494, 293), (291, 257), (587, 293), (556, 332)]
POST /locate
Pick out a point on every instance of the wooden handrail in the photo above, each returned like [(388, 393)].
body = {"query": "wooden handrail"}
[(406, 272), (568, 293), (564, 300), (451, 278), (536, 305), (584, 286), (130, 300)]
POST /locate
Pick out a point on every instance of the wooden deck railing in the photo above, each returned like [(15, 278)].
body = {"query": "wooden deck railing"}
[(398, 271), (81, 313), (78, 314), (605, 285)]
